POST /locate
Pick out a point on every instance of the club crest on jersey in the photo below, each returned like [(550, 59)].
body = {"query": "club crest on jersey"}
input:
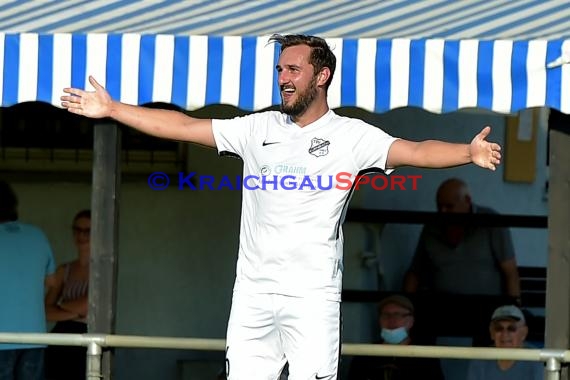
[(265, 170), (319, 147)]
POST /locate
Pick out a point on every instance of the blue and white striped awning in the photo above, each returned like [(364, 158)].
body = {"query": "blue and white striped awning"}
[(438, 55)]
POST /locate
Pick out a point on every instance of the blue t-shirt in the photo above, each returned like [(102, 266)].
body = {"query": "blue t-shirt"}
[(25, 260), (489, 370)]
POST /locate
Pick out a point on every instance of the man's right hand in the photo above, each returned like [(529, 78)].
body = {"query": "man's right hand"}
[(94, 104), (167, 124)]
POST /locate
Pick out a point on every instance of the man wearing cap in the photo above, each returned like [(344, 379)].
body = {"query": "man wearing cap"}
[(396, 319), (508, 329)]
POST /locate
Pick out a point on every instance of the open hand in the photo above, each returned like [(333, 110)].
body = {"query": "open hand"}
[(95, 104), (484, 153)]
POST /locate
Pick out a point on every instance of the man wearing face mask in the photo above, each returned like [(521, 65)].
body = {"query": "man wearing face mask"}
[(396, 319)]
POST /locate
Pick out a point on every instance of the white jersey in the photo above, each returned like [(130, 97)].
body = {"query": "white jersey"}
[(296, 191)]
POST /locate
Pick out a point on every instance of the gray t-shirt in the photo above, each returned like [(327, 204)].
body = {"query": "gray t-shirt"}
[(471, 267), (489, 370)]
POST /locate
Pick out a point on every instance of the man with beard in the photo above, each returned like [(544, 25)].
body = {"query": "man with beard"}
[(286, 299)]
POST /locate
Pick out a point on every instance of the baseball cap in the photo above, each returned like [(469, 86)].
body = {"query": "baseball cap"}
[(508, 312), (398, 300)]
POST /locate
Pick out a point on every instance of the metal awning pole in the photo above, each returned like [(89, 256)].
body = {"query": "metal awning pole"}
[(104, 235), (93, 368), (552, 369)]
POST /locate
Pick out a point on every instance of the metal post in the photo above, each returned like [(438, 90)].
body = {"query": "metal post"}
[(557, 277), (93, 370), (104, 235), (552, 369)]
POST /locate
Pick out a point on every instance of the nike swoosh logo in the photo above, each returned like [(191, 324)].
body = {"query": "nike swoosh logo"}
[(270, 143), (320, 377)]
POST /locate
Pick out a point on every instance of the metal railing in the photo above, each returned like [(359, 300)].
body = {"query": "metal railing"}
[(95, 343)]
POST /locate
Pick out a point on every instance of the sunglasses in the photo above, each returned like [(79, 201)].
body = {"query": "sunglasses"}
[(508, 328)]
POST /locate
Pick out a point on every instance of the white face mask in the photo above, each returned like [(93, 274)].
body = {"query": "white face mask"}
[(394, 336)]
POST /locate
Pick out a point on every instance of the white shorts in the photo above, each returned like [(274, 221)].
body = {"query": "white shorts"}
[(265, 331)]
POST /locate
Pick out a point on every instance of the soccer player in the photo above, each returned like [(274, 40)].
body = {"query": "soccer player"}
[(286, 299)]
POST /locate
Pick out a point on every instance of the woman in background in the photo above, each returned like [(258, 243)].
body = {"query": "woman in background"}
[(66, 304)]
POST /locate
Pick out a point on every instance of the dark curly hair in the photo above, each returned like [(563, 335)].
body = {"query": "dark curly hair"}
[(321, 54)]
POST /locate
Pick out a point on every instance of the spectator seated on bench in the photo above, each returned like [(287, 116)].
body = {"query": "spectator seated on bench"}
[(475, 310), (396, 320)]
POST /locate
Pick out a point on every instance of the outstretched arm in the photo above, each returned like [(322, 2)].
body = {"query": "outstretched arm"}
[(156, 122), (439, 154)]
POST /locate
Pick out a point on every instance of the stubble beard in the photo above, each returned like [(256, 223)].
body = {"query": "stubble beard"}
[(305, 99)]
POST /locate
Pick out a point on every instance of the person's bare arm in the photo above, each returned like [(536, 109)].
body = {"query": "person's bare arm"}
[(439, 154), (78, 306), (411, 282), (162, 123), (49, 282), (511, 276), (54, 313)]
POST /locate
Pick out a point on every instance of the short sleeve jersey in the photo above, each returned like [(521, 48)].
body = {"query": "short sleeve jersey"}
[(25, 260), (297, 182)]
